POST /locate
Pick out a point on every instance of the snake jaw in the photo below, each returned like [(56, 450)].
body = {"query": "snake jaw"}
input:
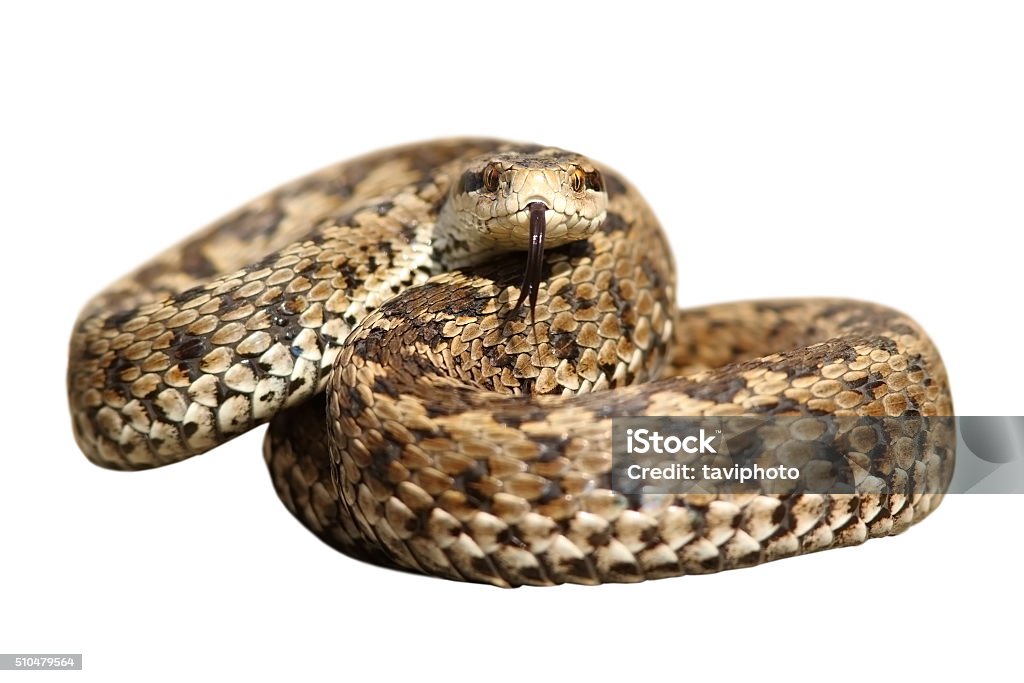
[(534, 260)]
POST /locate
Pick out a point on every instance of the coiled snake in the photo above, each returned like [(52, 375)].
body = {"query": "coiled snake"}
[(465, 427)]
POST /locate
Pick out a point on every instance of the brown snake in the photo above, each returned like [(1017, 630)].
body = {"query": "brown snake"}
[(468, 407)]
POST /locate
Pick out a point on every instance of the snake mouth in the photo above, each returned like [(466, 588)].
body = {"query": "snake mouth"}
[(534, 260)]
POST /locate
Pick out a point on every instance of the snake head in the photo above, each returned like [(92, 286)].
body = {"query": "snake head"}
[(523, 199)]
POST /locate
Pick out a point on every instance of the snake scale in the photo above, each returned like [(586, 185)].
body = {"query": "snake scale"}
[(437, 406)]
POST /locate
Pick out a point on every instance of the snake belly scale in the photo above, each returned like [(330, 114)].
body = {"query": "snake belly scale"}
[(440, 404)]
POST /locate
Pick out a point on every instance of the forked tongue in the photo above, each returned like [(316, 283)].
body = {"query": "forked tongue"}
[(534, 259)]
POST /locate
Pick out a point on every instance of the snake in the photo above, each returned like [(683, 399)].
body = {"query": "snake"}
[(440, 335)]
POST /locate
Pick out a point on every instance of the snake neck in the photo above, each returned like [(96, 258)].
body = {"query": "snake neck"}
[(458, 242)]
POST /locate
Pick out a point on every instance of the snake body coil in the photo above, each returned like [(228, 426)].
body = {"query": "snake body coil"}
[(421, 419)]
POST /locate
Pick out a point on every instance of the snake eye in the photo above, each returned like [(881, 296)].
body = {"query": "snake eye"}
[(577, 179), (491, 175)]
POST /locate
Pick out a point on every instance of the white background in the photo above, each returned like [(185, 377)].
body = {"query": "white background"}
[(869, 150)]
